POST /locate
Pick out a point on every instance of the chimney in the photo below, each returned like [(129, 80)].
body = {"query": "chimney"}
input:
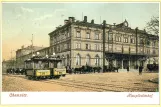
[(73, 19), (65, 21), (92, 21), (114, 24), (85, 18), (70, 19)]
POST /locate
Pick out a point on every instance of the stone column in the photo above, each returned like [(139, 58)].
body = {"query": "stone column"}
[(129, 63), (122, 63)]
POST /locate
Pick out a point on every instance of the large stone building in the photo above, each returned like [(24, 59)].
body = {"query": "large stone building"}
[(80, 42)]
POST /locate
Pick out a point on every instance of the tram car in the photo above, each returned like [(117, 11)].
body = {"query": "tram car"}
[(44, 67)]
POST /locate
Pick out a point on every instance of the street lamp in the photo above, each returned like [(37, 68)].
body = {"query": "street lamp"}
[(38, 53), (33, 55)]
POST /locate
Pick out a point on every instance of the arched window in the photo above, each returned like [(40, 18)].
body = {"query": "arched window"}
[(88, 60), (78, 59), (97, 60)]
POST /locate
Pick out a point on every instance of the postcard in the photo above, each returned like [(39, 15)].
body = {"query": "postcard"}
[(80, 53)]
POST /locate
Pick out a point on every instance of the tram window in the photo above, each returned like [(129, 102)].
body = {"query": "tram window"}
[(51, 65), (46, 66)]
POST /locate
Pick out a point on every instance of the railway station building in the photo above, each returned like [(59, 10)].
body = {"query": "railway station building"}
[(80, 43)]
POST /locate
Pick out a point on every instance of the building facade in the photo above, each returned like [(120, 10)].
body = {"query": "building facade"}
[(25, 53), (81, 43)]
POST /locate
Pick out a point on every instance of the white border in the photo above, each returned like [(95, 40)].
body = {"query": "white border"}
[(84, 97)]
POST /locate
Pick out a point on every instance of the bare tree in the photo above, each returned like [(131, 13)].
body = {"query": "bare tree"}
[(153, 26)]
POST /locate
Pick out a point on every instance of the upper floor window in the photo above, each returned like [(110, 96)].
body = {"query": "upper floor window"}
[(125, 40), (78, 45), (141, 41), (78, 34), (65, 46), (68, 35), (132, 40), (154, 52), (110, 36), (118, 39), (96, 47), (96, 36), (148, 43), (87, 35), (88, 46)]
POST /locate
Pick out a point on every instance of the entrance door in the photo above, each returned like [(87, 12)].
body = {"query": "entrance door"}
[(119, 63), (125, 64)]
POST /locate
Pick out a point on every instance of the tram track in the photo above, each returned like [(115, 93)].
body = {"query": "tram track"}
[(94, 86)]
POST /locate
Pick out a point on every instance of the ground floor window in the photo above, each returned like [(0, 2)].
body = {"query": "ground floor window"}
[(97, 60), (78, 59)]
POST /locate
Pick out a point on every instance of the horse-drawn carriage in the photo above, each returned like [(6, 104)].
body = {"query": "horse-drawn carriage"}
[(153, 67), (83, 69)]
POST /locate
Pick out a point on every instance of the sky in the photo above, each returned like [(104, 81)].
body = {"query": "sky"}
[(22, 20)]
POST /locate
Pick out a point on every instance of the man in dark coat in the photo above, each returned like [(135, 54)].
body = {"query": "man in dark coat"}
[(127, 68), (140, 70)]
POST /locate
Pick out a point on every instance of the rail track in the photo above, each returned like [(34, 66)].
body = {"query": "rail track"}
[(95, 86)]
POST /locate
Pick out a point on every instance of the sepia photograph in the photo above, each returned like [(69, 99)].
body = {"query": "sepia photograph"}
[(80, 47)]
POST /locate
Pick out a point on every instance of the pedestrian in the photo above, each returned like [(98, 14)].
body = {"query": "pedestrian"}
[(140, 70), (127, 68)]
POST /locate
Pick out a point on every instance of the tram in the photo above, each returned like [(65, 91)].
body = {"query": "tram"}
[(46, 67)]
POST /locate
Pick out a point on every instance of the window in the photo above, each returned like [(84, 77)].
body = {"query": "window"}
[(68, 35), (154, 52), (154, 43), (87, 35), (148, 43), (141, 41), (78, 45), (148, 51), (125, 40), (87, 60), (132, 40), (110, 36), (96, 36), (141, 50), (78, 34), (96, 47), (88, 46), (97, 60), (78, 59), (118, 39), (65, 46)]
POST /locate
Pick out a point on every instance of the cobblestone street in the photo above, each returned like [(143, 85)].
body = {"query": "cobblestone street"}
[(98, 82)]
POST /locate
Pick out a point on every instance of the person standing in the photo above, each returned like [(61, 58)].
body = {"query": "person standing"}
[(127, 68), (140, 70)]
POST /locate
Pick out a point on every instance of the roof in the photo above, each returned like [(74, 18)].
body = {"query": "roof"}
[(124, 27)]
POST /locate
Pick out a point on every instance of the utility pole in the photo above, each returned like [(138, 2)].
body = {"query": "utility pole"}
[(104, 38), (32, 45)]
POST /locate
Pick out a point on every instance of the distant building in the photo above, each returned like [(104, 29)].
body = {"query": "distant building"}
[(7, 64), (23, 52)]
